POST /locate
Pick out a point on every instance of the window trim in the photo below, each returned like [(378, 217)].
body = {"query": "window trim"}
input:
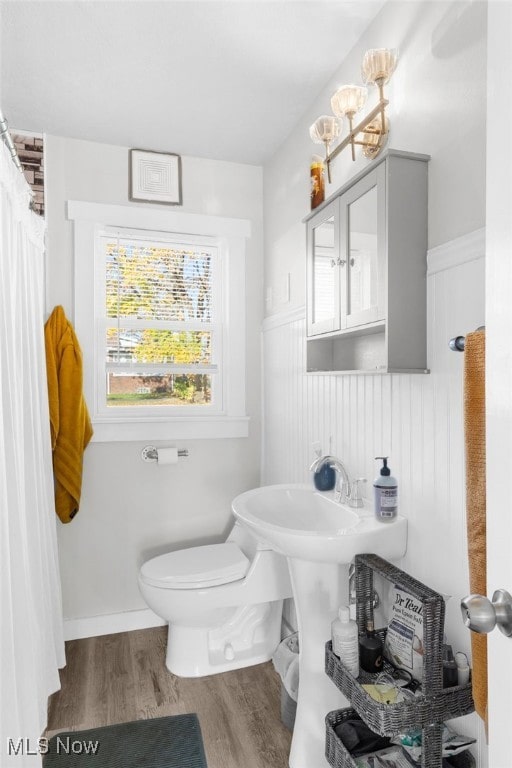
[(229, 235)]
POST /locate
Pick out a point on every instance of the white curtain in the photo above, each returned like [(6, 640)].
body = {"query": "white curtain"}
[(31, 641)]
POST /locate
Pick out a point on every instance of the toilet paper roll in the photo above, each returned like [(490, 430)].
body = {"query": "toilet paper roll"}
[(167, 455)]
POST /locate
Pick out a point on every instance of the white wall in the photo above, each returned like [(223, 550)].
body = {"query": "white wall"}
[(437, 107), (132, 510)]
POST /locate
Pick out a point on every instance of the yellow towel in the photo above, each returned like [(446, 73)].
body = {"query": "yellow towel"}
[(474, 428), (69, 419)]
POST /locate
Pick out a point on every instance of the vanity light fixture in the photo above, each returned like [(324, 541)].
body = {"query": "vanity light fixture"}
[(372, 131)]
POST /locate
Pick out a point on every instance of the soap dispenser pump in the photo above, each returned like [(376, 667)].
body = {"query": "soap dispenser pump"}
[(386, 493)]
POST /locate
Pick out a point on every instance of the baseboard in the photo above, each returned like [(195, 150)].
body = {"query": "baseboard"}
[(110, 624)]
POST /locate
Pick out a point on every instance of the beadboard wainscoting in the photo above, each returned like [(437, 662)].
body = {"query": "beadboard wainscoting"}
[(416, 420)]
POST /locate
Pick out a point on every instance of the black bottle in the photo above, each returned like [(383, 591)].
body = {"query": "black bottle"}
[(450, 675), (370, 650)]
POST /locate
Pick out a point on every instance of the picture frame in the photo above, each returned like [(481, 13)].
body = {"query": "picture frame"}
[(154, 177)]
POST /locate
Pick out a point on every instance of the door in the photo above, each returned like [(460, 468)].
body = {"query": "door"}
[(363, 250), (499, 369), (324, 265)]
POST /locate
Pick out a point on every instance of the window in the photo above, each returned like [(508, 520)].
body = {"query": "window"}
[(159, 323), (161, 320)]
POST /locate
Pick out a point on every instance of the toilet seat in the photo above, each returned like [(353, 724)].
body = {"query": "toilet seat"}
[(207, 566)]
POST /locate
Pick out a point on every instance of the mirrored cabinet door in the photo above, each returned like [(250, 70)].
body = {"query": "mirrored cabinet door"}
[(324, 272), (363, 238)]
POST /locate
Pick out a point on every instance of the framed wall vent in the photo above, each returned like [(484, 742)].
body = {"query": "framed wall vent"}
[(155, 177)]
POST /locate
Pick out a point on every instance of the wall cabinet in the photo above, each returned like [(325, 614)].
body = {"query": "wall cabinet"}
[(366, 271)]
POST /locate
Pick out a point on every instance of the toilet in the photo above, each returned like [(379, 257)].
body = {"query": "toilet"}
[(223, 603)]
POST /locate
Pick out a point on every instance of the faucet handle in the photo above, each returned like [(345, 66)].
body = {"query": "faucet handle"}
[(342, 490), (355, 499)]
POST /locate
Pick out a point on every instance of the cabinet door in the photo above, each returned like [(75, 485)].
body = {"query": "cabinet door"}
[(363, 248), (324, 271)]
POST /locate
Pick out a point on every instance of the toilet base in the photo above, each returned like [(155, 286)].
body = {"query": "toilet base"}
[(250, 636)]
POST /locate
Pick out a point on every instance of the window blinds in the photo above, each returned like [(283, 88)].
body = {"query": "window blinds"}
[(156, 282)]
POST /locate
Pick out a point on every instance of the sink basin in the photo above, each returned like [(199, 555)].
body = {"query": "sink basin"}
[(299, 521), (319, 537)]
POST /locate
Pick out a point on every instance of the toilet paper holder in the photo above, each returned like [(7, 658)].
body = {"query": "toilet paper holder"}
[(150, 453)]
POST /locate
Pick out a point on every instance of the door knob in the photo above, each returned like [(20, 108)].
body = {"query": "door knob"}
[(481, 615)]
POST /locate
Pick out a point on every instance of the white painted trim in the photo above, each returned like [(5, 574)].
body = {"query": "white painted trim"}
[(175, 428), (229, 419), (498, 362), (110, 623), (454, 253), (146, 218), (283, 318), (263, 420)]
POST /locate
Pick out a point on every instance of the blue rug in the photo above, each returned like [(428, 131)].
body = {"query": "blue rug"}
[(162, 742)]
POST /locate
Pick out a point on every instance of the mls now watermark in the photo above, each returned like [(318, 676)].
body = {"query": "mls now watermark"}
[(64, 745)]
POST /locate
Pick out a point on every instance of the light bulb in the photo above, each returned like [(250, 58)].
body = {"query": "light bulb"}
[(348, 100), (325, 129), (379, 64)]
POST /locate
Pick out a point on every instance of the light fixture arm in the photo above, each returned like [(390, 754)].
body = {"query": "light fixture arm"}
[(328, 162), (380, 109), (352, 135)]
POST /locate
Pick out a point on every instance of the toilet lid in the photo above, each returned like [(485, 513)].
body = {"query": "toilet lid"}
[(196, 567)]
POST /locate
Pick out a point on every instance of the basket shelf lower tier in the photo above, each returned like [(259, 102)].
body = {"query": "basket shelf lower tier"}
[(338, 755), (390, 719)]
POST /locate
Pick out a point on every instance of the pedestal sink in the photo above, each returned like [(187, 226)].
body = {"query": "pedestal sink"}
[(319, 537)]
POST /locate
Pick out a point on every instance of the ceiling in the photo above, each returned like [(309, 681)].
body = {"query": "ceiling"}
[(223, 79)]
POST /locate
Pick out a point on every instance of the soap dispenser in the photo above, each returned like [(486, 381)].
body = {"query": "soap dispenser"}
[(325, 477), (386, 493)]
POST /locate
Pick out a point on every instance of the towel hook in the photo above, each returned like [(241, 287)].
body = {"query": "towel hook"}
[(458, 343)]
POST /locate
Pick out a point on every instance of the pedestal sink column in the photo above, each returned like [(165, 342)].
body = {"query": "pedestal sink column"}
[(319, 590)]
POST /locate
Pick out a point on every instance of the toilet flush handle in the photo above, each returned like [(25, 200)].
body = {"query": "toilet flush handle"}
[(229, 652)]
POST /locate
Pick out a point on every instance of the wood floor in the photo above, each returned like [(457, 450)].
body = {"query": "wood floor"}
[(123, 677)]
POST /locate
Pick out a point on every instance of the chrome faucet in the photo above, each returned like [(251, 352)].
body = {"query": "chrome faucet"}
[(343, 484)]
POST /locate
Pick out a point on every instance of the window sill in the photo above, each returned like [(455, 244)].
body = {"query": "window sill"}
[(212, 428)]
